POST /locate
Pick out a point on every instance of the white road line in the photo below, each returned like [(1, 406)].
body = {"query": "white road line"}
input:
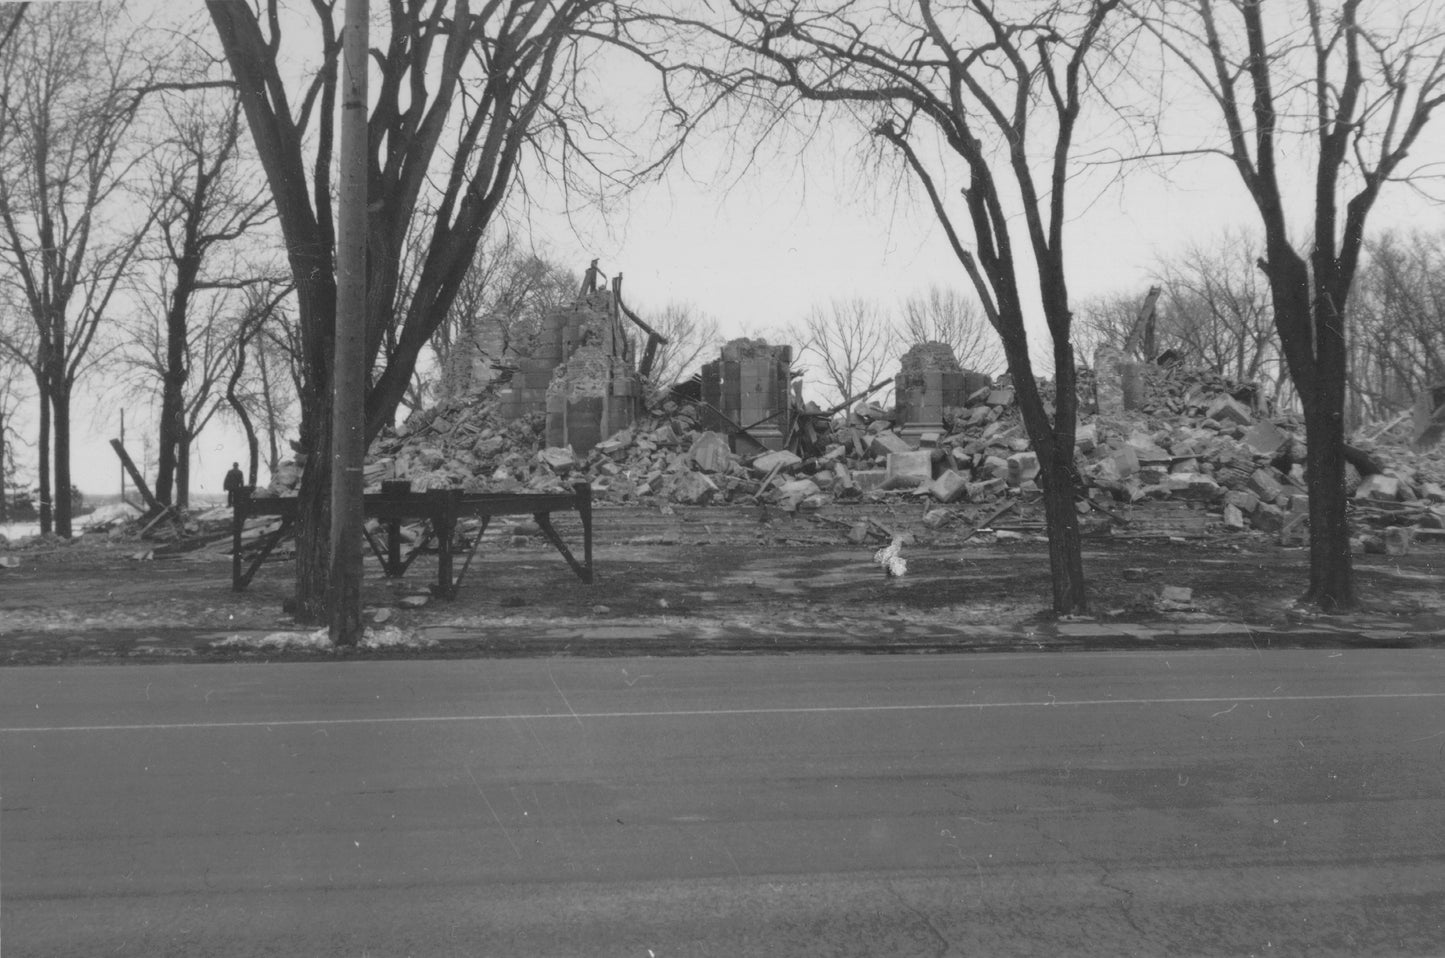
[(685, 713)]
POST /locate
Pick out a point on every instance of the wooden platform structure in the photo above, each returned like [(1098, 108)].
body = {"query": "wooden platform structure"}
[(440, 509)]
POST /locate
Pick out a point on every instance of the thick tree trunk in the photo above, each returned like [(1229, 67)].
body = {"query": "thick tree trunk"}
[(183, 470), (168, 437), (1332, 581), (60, 401), (313, 533), (1053, 443)]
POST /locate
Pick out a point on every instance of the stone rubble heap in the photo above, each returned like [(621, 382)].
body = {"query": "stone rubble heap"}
[(1198, 440)]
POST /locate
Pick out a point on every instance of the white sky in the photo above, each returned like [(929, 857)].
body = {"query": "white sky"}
[(759, 255)]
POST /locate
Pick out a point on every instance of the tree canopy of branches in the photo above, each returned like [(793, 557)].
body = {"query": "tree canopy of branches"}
[(693, 338), (945, 315), (1351, 87), (1217, 308), (206, 204), (1397, 325), (980, 100), (73, 84), (462, 94), (853, 341)]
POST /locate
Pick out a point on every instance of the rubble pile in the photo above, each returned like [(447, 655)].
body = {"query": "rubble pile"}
[(1200, 440)]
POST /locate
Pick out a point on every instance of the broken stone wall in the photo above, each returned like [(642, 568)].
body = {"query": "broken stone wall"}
[(555, 369), (931, 386), (591, 396), (749, 386)]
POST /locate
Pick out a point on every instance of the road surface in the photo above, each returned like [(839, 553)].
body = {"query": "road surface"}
[(1204, 803)]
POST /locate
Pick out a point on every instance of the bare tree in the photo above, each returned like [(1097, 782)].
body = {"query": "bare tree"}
[(463, 95), (853, 343), (692, 338), (945, 315), (1397, 325), (980, 100), (73, 78), (1107, 319), (1217, 308), (1351, 93), (12, 396), (258, 394), (207, 203)]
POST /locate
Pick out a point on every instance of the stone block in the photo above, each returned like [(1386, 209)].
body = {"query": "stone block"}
[(987, 489), (1265, 484), (886, 443), (1126, 462), (1243, 500), (1194, 487), (1022, 467), (1379, 487), (950, 487), (1398, 540), (782, 460), (1264, 438), (694, 489), (1268, 518), (867, 480), (557, 458), (995, 467), (710, 452), (1227, 409), (908, 470), (1000, 397), (1233, 517)]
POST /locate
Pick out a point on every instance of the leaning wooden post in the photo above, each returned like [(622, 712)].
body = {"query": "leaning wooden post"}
[(136, 477)]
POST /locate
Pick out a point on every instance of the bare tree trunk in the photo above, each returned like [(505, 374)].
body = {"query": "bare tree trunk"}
[(47, 518), (1332, 580), (172, 423), (60, 402), (183, 470)]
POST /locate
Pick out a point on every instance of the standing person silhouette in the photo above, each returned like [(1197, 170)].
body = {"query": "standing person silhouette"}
[(234, 481)]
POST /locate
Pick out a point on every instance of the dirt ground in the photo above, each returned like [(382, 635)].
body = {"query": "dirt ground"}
[(712, 580)]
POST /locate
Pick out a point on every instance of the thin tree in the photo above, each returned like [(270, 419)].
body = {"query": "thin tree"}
[(74, 78), (1397, 324), (1350, 87), (853, 341), (1217, 307), (248, 394), (207, 204), (945, 315), (693, 338), (981, 100)]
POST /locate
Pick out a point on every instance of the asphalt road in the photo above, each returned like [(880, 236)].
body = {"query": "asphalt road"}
[(1194, 803)]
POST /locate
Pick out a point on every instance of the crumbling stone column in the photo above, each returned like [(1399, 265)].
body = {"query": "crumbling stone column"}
[(591, 396), (589, 324), (930, 386), (749, 386)]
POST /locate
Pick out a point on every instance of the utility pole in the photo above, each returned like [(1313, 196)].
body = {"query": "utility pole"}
[(348, 382)]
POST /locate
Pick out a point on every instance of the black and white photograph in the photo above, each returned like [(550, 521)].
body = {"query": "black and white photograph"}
[(739, 478)]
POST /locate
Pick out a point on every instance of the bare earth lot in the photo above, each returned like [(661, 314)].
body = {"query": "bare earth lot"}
[(713, 580)]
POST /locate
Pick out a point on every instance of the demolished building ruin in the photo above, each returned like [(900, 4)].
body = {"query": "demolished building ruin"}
[(954, 440)]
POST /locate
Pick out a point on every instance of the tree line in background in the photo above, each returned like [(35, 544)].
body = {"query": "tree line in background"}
[(168, 210)]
